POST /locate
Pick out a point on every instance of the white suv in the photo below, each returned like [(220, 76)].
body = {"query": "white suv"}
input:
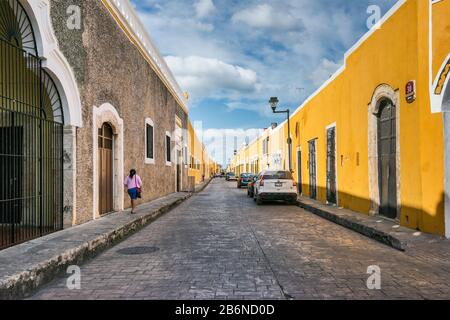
[(275, 185)]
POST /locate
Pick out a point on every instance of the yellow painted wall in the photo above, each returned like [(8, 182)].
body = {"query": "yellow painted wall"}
[(392, 55), (203, 165)]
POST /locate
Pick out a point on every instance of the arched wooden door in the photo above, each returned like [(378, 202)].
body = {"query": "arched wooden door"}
[(387, 159), (105, 169)]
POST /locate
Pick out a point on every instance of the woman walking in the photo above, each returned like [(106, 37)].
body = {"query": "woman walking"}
[(134, 185)]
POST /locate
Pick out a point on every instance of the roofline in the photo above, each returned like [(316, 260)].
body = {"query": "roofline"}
[(127, 18), (348, 53), (341, 69)]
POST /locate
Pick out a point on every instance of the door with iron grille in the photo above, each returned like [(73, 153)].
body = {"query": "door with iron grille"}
[(179, 169), (299, 172), (331, 166), (312, 170), (31, 135), (105, 165), (387, 162), (11, 173)]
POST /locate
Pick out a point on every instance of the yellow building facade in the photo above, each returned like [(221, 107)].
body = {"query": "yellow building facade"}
[(201, 165), (375, 137)]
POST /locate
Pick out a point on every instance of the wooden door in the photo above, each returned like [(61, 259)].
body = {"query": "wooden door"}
[(105, 163), (387, 162)]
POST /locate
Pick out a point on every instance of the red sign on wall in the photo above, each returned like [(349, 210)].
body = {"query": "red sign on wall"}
[(410, 91)]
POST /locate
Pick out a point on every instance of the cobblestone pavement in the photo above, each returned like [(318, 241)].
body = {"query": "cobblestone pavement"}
[(220, 245)]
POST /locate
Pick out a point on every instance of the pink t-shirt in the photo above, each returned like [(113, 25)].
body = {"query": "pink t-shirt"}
[(134, 182)]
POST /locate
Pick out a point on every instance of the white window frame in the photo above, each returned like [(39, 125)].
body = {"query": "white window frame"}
[(150, 161), (168, 163)]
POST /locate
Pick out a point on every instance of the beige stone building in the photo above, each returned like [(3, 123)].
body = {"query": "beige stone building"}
[(85, 97)]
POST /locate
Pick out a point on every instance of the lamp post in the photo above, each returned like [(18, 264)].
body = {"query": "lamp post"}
[(274, 104)]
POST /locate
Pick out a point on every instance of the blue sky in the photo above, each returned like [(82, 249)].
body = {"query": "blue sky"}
[(232, 56)]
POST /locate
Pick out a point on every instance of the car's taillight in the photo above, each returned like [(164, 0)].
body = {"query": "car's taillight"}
[(295, 184)]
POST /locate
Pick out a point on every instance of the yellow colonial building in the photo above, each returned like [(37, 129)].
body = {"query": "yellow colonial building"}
[(375, 138), (201, 165)]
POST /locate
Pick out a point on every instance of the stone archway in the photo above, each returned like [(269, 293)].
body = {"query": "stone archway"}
[(55, 63), (58, 68), (106, 113), (381, 93)]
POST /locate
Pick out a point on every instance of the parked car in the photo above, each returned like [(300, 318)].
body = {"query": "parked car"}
[(244, 180), (231, 176), (275, 186), (251, 186)]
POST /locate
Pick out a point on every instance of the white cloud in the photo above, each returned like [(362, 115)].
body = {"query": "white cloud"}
[(324, 71), (266, 17), (204, 8), (221, 143), (255, 49), (202, 76)]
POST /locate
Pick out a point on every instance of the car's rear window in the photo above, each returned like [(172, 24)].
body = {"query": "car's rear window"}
[(280, 175), (245, 175)]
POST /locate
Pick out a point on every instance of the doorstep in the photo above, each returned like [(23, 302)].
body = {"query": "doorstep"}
[(28, 266), (382, 230)]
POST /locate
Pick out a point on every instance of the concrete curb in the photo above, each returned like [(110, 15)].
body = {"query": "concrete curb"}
[(25, 283), (203, 186), (357, 226)]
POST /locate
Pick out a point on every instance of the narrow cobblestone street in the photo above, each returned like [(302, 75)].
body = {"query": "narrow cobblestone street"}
[(220, 245)]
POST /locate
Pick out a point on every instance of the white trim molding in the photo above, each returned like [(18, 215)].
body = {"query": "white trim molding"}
[(106, 113), (446, 117), (439, 86), (54, 61), (150, 122)]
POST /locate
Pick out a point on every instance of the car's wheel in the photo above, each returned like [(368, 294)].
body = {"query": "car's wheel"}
[(259, 201)]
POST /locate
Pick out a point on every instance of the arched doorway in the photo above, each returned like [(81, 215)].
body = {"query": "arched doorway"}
[(31, 135), (384, 152), (108, 135), (105, 166), (387, 154)]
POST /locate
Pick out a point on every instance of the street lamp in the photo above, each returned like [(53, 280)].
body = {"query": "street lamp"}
[(274, 105)]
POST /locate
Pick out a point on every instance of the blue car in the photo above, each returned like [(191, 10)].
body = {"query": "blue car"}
[(244, 179)]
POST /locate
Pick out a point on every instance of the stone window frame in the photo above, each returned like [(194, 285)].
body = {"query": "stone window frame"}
[(149, 161), (383, 91), (168, 149)]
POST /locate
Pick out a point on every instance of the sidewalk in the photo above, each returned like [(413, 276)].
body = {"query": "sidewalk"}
[(420, 245), (201, 186), (28, 266)]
